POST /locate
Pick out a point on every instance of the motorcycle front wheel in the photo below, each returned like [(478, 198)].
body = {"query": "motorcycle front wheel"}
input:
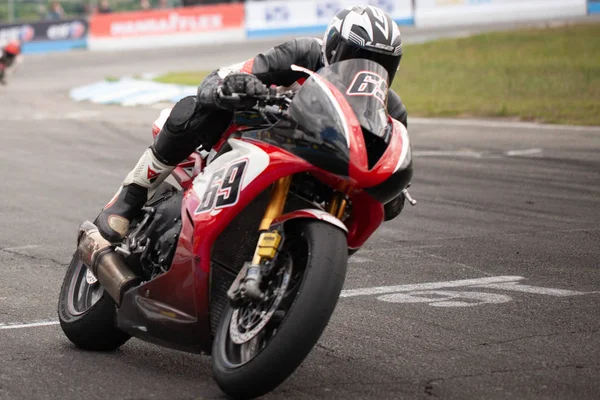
[(258, 346)]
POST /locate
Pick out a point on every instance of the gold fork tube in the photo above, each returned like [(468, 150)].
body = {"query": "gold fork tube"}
[(334, 203), (337, 206), (276, 202), (274, 208), (341, 209)]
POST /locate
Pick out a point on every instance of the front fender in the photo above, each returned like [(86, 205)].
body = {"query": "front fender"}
[(311, 214)]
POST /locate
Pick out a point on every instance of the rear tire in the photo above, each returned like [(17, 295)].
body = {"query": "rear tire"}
[(324, 256), (90, 324)]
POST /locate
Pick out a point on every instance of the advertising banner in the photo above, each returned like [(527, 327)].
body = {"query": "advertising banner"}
[(594, 7), (159, 28), (430, 13), (289, 17), (47, 36)]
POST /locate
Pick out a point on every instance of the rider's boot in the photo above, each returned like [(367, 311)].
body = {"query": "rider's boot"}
[(139, 185)]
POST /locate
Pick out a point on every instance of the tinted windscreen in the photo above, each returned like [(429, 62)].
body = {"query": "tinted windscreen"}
[(364, 84), (320, 137), (320, 129)]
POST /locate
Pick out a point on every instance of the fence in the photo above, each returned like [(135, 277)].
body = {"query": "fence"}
[(267, 18)]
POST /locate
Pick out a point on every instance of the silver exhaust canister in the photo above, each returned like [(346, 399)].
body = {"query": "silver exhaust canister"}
[(108, 266)]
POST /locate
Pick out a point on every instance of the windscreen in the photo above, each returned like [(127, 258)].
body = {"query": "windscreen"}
[(321, 136), (364, 84)]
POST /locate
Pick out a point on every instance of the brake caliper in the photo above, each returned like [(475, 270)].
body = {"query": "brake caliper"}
[(247, 283)]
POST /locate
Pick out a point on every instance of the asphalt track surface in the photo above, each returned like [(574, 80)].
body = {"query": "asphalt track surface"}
[(504, 242)]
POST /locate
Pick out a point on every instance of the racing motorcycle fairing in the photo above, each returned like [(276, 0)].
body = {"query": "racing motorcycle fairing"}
[(160, 310)]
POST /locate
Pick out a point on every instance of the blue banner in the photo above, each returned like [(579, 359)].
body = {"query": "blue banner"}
[(47, 36)]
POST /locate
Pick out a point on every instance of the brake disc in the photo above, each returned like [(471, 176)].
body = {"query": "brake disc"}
[(238, 333)]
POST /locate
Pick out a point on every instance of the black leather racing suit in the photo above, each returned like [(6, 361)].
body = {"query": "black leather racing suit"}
[(198, 120)]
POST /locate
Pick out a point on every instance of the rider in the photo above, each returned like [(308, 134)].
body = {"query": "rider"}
[(356, 32), (8, 56)]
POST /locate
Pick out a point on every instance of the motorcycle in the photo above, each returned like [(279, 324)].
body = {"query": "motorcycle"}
[(246, 261), (5, 66)]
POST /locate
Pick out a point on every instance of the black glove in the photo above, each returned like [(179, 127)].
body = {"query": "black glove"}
[(241, 83)]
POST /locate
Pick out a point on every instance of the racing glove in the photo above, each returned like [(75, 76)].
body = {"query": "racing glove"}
[(241, 83)]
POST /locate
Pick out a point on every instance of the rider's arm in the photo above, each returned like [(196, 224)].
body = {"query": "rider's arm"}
[(272, 67), (396, 108)]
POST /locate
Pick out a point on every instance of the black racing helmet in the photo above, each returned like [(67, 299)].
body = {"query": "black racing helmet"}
[(364, 32)]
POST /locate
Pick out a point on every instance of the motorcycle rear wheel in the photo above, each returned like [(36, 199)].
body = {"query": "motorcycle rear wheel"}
[(319, 255), (87, 314)]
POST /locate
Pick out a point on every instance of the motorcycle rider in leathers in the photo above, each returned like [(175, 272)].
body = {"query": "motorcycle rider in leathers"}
[(356, 32), (9, 54)]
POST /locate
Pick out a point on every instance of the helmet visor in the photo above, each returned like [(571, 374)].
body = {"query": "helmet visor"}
[(348, 51)]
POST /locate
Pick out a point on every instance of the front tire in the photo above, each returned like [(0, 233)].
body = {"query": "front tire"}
[(319, 257), (87, 314)]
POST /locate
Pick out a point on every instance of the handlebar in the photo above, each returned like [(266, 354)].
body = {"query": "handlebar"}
[(272, 103)]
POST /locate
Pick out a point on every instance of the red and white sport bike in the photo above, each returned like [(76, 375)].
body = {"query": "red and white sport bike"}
[(247, 261)]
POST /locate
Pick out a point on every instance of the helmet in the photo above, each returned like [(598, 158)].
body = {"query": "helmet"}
[(363, 32), (13, 48)]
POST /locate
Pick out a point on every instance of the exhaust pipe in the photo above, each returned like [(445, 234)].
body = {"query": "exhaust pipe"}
[(106, 264)]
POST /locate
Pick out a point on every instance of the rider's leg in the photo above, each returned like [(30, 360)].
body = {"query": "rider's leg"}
[(188, 125)]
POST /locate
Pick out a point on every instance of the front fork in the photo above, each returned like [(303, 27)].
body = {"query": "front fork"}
[(247, 283)]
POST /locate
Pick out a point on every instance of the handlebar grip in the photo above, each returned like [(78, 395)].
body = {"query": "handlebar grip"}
[(233, 98)]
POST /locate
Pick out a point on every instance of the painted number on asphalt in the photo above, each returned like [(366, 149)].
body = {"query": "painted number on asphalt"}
[(440, 294)]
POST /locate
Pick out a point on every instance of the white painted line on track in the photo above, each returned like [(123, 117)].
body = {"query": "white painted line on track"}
[(475, 154), (526, 152), (441, 153), (518, 287), (500, 124), (30, 246), (28, 325), (75, 115), (428, 286), (428, 292), (357, 259), (82, 114)]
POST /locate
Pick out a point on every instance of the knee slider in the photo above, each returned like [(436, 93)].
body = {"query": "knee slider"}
[(181, 114)]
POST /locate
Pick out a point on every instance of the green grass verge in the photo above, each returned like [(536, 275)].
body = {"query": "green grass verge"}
[(548, 75), (183, 78)]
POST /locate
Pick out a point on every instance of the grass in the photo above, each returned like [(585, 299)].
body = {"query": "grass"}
[(549, 75), (183, 78)]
